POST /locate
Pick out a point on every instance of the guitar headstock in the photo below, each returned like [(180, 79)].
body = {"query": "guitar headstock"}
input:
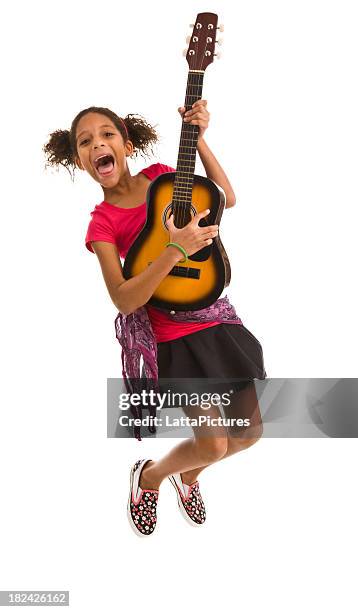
[(201, 50)]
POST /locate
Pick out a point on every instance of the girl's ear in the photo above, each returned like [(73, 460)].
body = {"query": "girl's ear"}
[(129, 148), (78, 163)]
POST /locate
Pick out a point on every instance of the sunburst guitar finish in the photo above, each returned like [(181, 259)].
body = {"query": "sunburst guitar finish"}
[(200, 281)]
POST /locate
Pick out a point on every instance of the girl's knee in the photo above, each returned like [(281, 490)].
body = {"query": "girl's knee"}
[(212, 449), (241, 443), (255, 433), (250, 441)]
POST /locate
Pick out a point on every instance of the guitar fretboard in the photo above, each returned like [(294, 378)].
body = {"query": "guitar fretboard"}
[(185, 169)]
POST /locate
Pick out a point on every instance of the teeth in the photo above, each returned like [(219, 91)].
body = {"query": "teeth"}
[(95, 162), (98, 158)]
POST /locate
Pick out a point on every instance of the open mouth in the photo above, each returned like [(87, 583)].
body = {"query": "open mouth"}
[(104, 164)]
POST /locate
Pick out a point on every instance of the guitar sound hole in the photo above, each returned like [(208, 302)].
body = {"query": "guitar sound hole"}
[(182, 217), (182, 220)]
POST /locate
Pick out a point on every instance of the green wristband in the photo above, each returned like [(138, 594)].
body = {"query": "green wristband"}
[(180, 249)]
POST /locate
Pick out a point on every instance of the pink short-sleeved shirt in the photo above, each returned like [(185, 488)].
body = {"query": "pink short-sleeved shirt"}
[(121, 226)]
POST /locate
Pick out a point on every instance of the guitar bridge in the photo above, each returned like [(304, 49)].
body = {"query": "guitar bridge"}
[(184, 272)]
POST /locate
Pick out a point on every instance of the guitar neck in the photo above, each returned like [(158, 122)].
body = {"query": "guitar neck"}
[(188, 141)]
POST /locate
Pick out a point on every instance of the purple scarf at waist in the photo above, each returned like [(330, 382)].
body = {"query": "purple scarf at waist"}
[(135, 334)]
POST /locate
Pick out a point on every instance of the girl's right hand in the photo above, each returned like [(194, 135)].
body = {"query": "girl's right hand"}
[(192, 237)]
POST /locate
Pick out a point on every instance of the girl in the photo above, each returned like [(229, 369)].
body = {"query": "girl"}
[(212, 342)]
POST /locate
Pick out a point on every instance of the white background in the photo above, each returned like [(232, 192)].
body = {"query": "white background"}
[(283, 103)]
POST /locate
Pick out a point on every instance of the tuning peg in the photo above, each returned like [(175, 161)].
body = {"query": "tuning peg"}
[(185, 51), (191, 25), (220, 41), (220, 28), (188, 39), (218, 54)]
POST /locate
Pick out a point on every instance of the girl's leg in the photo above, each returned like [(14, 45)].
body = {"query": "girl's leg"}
[(209, 445), (244, 405)]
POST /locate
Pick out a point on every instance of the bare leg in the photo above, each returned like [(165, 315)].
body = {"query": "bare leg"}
[(205, 448), (244, 404)]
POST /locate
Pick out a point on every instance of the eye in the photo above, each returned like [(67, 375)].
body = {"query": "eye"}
[(84, 141), (109, 134)]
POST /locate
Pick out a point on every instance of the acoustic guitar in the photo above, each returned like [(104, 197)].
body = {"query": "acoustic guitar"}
[(200, 281)]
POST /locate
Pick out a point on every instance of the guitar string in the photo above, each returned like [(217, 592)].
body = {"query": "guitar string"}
[(184, 181), (192, 86), (187, 144), (191, 93), (186, 131), (194, 83)]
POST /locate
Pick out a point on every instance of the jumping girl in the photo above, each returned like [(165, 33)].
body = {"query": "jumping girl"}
[(213, 344)]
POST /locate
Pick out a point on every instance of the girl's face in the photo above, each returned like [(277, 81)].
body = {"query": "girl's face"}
[(101, 150)]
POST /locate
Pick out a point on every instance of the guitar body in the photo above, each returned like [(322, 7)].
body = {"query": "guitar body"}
[(200, 281)]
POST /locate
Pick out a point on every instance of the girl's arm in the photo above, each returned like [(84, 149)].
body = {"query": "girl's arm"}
[(128, 295), (215, 172), (199, 115)]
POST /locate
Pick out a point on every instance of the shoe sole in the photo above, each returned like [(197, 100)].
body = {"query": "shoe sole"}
[(129, 514), (181, 506)]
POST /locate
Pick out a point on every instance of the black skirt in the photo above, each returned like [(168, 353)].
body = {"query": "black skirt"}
[(229, 352)]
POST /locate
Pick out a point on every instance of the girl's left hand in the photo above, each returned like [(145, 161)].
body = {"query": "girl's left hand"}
[(198, 115)]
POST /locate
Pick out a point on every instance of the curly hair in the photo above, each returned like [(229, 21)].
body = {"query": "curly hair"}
[(61, 148)]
